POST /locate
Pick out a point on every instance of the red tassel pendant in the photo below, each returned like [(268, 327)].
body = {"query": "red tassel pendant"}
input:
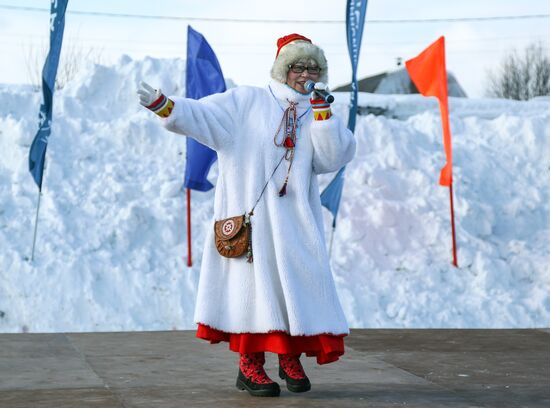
[(289, 144), (282, 192)]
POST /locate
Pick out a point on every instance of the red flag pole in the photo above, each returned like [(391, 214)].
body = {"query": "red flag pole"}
[(189, 259), (446, 178), (455, 261)]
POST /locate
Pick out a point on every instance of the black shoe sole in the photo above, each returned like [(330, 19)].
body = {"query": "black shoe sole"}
[(262, 390), (295, 385)]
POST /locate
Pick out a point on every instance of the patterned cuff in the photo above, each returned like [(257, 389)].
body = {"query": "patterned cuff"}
[(321, 109), (162, 106)]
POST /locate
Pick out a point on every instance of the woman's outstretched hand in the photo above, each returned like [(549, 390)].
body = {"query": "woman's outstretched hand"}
[(147, 94), (153, 99)]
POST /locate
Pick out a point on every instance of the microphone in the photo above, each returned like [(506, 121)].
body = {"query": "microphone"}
[(310, 87)]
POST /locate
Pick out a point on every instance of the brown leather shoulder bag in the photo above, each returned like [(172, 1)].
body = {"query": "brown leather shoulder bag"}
[(233, 235)]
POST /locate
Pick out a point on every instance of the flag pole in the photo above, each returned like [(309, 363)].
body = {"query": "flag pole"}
[(36, 224), (455, 261), (189, 259), (331, 239)]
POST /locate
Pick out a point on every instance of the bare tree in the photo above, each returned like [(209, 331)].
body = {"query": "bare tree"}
[(521, 76), (35, 56), (74, 56)]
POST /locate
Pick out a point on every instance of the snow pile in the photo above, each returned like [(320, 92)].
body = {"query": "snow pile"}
[(111, 250)]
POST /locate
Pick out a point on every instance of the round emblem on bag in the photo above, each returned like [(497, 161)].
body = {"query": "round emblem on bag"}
[(228, 227)]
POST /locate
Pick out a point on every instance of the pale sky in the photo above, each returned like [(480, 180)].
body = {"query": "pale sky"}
[(246, 50)]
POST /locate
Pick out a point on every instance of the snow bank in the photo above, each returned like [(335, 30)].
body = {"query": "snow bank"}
[(112, 233)]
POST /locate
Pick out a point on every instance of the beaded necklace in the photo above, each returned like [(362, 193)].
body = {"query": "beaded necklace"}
[(290, 123)]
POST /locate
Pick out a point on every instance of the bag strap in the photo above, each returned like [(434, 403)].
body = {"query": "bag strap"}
[(251, 213)]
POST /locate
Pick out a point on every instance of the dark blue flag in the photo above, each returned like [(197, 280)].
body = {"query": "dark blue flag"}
[(37, 153), (355, 21), (203, 77)]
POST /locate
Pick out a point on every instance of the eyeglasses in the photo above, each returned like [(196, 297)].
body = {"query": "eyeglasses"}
[(299, 68)]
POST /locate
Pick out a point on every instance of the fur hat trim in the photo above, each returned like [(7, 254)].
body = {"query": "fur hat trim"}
[(293, 51)]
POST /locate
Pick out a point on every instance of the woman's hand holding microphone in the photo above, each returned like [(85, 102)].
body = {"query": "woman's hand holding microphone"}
[(320, 99)]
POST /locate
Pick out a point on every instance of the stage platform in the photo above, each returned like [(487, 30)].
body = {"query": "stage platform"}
[(381, 368)]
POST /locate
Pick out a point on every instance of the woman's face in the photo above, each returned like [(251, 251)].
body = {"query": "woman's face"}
[(296, 79)]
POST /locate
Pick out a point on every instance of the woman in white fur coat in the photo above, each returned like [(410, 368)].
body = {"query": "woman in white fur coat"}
[(285, 300)]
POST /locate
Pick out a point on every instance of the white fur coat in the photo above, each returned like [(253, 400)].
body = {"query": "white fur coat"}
[(289, 286)]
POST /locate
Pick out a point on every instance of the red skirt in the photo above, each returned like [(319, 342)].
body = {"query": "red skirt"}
[(326, 347)]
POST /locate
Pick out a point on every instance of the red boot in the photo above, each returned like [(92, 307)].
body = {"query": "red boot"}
[(253, 378), (291, 370)]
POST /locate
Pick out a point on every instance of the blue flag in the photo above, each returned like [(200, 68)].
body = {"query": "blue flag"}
[(39, 145), (355, 21), (332, 194), (203, 77)]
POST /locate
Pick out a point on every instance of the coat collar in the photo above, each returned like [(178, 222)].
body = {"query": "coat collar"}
[(285, 94)]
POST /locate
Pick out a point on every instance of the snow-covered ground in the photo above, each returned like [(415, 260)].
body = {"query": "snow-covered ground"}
[(111, 248)]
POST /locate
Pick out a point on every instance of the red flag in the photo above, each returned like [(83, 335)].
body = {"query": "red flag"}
[(429, 74)]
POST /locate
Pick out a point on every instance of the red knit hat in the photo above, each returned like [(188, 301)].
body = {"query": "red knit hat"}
[(294, 47), (287, 39)]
